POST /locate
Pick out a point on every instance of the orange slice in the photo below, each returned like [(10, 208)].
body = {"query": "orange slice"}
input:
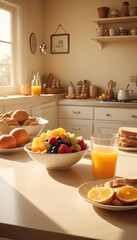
[(103, 195), (127, 194)]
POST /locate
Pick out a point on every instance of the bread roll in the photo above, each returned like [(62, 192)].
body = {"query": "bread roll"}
[(4, 127), (20, 135), (7, 141), (20, 115), (10, 121)]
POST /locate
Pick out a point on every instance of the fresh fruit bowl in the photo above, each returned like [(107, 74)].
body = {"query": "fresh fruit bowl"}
[(55, 161), (57, 149)]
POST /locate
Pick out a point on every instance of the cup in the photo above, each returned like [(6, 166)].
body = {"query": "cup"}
[(104, 154), (112, 31)]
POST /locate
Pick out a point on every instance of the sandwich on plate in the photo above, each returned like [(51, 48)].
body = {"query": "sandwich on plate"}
[(127, 137)]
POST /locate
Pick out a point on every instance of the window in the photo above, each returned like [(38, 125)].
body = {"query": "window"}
[(11, 45), (6, 46)]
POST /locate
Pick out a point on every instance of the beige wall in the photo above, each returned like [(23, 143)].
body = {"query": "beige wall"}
[(35, 23), (116, 61)]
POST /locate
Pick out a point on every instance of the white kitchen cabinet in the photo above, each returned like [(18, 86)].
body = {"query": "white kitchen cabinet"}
[(47, 111), (76, 119), (108, 120), (115, 21)]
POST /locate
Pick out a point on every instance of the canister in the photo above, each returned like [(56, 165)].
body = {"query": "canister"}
[(93, 91)]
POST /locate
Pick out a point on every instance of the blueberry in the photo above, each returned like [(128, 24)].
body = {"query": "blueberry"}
[(59, 138), (54, 149), (69, 144), (57, 144), (61, 141), (53, 152)]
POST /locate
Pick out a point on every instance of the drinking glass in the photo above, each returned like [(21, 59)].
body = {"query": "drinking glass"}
[(104, 154)]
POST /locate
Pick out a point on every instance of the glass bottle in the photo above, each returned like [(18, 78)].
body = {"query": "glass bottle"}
[(85, 87), (71, 89), (125, 9), (36, 85)]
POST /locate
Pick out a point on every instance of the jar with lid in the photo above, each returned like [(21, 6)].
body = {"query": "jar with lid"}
[(125, 9), (85, 88), (36, 85), (71, 89)]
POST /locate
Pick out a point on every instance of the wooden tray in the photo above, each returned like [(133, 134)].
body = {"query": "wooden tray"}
[(53, 90)]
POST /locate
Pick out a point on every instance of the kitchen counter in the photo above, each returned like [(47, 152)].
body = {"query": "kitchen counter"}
[(40, 204), (96, 103), (14, 99)]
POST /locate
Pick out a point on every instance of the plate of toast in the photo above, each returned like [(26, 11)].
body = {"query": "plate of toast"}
[(127, 139)]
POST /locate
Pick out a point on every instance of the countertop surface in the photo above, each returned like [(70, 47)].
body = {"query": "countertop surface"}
[(96, 103), (60, 98), (40, 204)]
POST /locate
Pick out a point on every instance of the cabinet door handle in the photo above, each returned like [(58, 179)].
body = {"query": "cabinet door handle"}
[(77, 112), (134, 116), (108, 115), (76, 128)]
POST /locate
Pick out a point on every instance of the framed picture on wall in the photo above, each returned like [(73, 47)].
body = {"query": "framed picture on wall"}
[(60, 43)]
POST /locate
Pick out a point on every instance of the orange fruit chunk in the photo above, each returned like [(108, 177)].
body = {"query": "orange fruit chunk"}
[(35, 142), (35, 149), (103, 195), (38, 144), (57, 132), (42, 145), (43, 135), (127, 194)]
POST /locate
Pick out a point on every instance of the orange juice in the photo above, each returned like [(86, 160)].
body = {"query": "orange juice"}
[(104, 160), (36, 90)]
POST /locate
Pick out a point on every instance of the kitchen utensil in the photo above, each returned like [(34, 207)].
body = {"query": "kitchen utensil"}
[(124, 95), (127, 86), (110, 92)]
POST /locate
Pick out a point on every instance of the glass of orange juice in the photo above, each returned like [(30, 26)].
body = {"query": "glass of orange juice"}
[(104, 154)]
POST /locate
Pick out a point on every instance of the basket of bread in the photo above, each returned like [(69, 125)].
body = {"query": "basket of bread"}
[(21, 119)]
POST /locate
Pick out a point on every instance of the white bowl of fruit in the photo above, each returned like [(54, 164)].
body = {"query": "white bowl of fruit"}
[(57, 149)]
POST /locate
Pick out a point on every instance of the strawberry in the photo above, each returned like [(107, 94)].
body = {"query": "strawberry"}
[(64, 137), (63, 148), (82, 144), (71, 148), (52, 140)]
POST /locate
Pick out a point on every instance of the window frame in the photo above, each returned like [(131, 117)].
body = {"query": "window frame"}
[(16, 7)]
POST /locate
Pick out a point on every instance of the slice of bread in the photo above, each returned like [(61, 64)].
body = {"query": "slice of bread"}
[(118, 182), (127, 142), (128, 132)]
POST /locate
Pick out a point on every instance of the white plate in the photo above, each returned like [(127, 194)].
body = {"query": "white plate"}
[(130, 149), (84, 188), (12, 150)]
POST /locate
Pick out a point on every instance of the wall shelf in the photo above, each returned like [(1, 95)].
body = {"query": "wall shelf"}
[(116, 20), (101, 40), (110, 21)]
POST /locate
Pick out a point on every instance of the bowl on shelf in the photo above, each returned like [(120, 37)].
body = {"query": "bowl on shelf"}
[(123, 31), (56, 161)]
